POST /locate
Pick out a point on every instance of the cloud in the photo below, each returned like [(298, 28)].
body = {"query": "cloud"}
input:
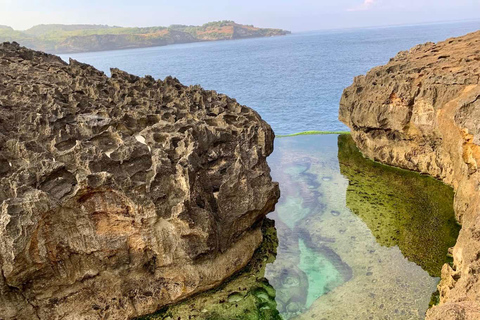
[(367, 4)]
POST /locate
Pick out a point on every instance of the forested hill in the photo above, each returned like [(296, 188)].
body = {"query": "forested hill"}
[(56, 38)]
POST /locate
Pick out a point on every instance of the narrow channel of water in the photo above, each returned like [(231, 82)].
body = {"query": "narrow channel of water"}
[(353, 239)]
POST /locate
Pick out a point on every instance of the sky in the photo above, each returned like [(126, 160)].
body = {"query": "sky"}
[(293, 15)]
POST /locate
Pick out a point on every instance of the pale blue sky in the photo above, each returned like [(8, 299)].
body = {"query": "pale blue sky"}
[(294, 15)]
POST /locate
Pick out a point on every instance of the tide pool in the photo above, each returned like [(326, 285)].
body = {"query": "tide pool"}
[(352, 239)]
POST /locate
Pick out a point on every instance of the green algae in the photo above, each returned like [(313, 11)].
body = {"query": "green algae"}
[(435, 299), (313, 132), (400, 207)]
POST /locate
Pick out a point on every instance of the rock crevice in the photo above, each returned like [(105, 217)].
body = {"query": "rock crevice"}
[(121, 194), (420, 112)]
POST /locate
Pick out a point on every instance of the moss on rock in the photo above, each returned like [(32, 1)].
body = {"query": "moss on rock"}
[(401, 208)]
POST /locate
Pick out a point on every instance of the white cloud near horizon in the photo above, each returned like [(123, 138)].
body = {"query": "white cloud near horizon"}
[(367, 4)]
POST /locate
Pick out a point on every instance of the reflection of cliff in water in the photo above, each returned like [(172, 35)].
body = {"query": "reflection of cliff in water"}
[(400, 207)]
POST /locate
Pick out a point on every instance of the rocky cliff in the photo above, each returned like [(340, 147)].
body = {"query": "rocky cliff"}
[(421, 112), (121, 195)]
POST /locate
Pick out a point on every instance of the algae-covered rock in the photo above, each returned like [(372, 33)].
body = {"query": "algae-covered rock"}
[(121, 195), (420, 112), (400, 207)]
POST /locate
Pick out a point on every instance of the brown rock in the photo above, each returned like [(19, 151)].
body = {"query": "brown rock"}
[(421, 112), (120, 195)]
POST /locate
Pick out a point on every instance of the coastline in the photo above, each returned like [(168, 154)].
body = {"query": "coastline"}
[(81, 38), (63, 53)]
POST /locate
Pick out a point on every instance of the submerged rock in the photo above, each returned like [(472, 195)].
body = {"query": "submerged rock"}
[(121, 195), (421, 112)]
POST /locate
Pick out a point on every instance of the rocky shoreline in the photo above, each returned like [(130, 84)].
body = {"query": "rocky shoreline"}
[(421, 112), (121, 195)]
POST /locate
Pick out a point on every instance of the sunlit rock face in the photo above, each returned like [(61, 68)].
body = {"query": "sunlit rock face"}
[(120, 195), (420, 112)]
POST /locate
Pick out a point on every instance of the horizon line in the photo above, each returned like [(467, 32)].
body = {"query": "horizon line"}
[(302, 31)]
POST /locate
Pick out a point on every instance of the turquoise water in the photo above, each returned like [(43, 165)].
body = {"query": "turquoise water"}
[(346, 269), (347, 247), (294, 82)]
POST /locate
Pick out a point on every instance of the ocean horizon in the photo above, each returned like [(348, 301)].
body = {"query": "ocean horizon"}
[(294, 82)]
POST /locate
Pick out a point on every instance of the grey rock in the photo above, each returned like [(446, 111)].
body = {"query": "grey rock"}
[(121, 195)]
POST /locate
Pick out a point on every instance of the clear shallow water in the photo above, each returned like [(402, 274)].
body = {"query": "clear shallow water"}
[(294, 82), (347, 243)]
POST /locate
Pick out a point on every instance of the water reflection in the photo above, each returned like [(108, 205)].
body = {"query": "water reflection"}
[(400, 208), (356, 240)]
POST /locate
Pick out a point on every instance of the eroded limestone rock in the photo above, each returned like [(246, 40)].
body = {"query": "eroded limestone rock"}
[(421, 112), (121, 195)]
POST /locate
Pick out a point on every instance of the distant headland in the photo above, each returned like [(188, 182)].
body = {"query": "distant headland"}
[(58, 38)]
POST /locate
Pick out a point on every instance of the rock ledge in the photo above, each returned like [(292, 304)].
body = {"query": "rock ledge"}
[(120, 195)]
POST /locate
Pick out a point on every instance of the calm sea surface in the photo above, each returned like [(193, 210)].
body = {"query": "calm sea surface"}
[(294, 82)]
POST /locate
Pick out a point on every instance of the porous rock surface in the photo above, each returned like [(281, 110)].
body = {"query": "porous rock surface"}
[(121, 194), (421, 112)]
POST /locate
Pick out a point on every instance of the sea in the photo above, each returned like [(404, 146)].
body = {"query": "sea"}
[(295, 82)]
